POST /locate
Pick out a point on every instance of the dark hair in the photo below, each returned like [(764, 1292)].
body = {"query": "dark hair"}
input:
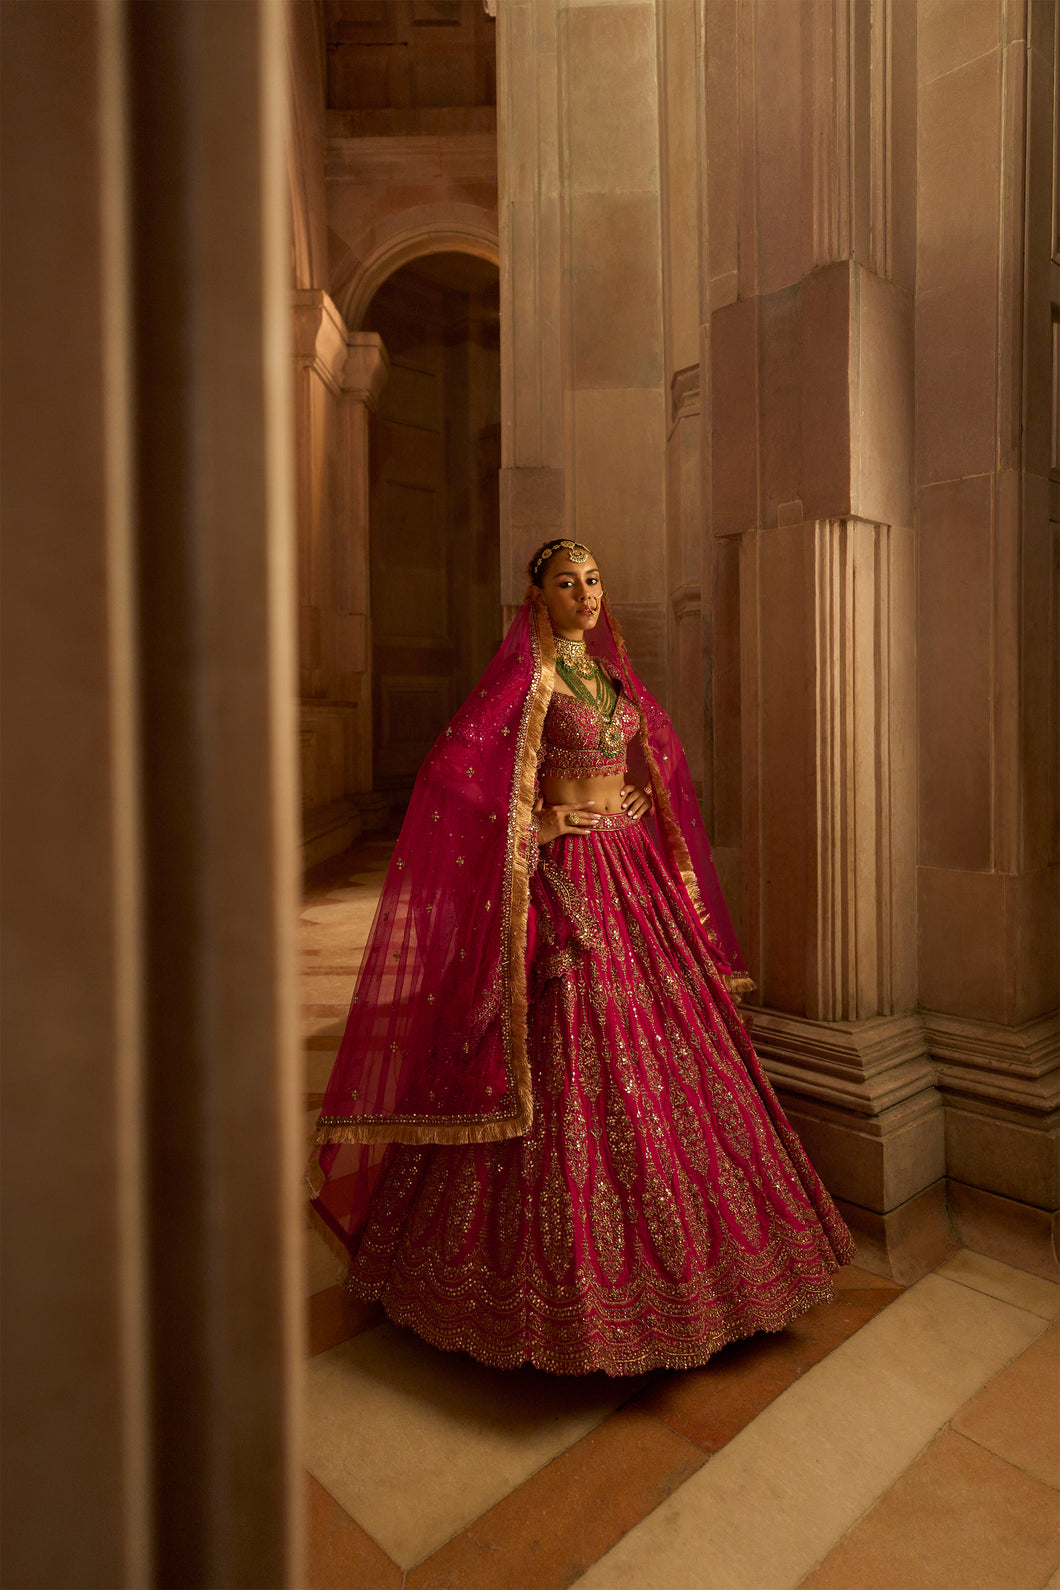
[(541, 559)]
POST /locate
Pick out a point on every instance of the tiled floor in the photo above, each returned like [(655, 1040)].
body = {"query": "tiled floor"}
[(892, 1440)]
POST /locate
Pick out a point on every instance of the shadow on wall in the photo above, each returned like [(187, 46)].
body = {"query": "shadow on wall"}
[(434, 518)]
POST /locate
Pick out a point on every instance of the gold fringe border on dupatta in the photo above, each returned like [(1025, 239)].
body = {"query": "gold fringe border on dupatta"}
[(493, 1128), (738, 986), (336, 1247), (388, 1130), (519, 824)]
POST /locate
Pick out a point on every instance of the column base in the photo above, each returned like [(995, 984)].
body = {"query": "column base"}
[(374, 808), (1005, 1229), (862, 1097), (930, 1132), (1000, 1087), (906, 1242), (328, 831)]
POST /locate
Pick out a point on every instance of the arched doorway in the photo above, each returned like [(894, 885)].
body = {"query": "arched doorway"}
[(434, 515)]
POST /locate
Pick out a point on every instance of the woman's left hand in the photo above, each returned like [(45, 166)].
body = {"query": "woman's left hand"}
[(636, 802)]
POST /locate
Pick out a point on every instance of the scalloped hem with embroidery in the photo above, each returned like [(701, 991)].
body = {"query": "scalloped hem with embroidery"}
[(661, 1204), (555, 1345)]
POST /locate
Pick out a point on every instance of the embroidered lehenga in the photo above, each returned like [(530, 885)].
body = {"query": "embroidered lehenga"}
[(547, 1137)]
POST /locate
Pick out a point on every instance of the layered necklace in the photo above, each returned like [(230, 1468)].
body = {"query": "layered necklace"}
[(585, 679)]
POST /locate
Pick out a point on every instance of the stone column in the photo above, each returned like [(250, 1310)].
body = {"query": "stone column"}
[(152, 1329), (987, 483), (583, 417), (211, 331), (329, 725), (682, 168), (365, 374), (76, 1369), (811, 199), (533, 447)]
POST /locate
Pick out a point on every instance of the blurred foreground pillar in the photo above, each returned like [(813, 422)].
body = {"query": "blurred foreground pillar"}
[(151, 1313)]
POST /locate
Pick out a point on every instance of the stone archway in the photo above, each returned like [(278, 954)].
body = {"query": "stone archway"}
[(446, 229), (434, 514)]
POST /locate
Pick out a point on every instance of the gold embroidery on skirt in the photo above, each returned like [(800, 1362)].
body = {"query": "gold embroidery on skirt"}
[(576, 1139), (557, 1219), (510, 1221), (605, 1223), (665, 1224), (620, 1141), (588, 1063)]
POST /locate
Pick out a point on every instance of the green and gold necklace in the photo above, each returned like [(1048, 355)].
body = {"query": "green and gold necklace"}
[(585, 679)]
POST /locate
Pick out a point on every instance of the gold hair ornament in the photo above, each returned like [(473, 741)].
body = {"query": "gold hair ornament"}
[(574, 549)]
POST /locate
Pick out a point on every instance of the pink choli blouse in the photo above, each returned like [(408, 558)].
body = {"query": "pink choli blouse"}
[(570, 743)]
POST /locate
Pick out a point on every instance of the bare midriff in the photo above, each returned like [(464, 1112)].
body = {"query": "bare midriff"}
[(606, 792)]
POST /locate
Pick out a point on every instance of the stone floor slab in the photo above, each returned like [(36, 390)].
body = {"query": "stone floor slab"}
[(774, 1501), (1031, 1292), (712, 1404), (568, 1514), (1017, 1414), (416, 1443), (339, 1555)]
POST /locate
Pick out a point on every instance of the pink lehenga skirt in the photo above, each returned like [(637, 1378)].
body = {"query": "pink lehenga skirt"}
[(661, 1205)]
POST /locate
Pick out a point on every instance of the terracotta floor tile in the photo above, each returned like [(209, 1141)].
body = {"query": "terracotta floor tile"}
[(710, 1405), (339, 1555), (335, 1316), (959, 1518), (563, 1518), (1017, 1414)]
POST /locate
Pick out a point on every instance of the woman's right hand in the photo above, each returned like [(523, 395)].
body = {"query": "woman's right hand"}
[(552, 820)]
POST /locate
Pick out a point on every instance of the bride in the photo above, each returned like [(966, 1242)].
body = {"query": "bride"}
[(547, 1137)]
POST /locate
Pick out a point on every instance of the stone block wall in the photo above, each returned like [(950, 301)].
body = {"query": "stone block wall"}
[(778, 284)]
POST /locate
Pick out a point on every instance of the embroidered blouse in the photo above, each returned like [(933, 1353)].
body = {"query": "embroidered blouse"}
[(570, 742)]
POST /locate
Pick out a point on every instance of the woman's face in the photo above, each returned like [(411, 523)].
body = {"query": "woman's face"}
[(572, 592)]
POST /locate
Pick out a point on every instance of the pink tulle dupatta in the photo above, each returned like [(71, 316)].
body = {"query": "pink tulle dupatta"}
[(677, 819), (435, 1044)]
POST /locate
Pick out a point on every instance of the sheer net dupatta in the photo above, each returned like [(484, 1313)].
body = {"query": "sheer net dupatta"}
[(677, 820), (435, 1044)]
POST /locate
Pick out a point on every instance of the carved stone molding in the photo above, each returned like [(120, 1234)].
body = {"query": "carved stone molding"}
[(319, 336), (686, 601), (367, 368), (684, 393), (886, 1107), (1001, 1090), (985, 1063), (867, 1067), (463, 158), (861, 959), (862, 1097)]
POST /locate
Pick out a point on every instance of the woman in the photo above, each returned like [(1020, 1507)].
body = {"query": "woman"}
[(547, 1137)]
